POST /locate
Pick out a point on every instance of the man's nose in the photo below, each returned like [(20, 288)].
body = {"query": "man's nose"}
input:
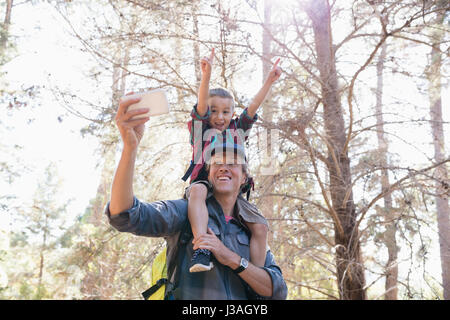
[(223, 167)]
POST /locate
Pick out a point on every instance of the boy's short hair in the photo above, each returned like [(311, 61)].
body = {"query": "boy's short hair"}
[(223, 93)]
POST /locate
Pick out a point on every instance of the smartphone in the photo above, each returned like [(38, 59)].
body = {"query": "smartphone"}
[(155, 100)]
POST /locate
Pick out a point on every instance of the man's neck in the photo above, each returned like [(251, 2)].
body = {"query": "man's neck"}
[(227, 202)]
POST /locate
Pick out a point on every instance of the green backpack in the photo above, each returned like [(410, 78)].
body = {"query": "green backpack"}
[(159, 278), (162, 270)]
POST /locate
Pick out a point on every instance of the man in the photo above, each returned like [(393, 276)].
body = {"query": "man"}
[(233, 277)]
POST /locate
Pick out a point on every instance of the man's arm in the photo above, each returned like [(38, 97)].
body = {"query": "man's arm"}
[(131, 132), (257, 278), (203, 90), (274, 74), (122, 186), (124, 211), (266, 282), (156, 219)]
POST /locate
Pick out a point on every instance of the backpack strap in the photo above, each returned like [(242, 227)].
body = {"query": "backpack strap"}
[(175, 265), (250, 185), (189, 171), (147, 293)]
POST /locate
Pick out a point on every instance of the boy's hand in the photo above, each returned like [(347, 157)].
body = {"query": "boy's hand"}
[(206, 63), (275, 73)]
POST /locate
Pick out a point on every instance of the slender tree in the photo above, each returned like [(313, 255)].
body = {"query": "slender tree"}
[(349, 265), (4, 30), (267, 181), (433, 73), (390, 241)]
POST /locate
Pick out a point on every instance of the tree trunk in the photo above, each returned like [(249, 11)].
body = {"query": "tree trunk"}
[(442, 182), (41, 258), (118, 87), (390, 240), (6, 23), (267, 181), (349, 266), (198, 74)]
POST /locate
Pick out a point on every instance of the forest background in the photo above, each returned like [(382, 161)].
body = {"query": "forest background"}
[(349, 154)]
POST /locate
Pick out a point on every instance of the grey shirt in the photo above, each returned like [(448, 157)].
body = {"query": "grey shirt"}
[(167, 218)]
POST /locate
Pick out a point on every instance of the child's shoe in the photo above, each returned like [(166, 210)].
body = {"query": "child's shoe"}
[(201, 261)]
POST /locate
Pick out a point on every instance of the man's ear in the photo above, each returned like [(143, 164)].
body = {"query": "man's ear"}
[(208, 171), (244, 180)]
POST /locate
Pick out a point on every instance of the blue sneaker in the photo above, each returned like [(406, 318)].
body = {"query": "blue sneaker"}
[(201, 261)]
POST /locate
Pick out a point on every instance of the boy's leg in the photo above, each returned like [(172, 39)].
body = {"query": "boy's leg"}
[(198, 218), (258, 243), (197, 211)]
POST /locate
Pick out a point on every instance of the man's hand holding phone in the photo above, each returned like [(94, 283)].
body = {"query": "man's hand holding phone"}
[(135, 110), (131, 130)]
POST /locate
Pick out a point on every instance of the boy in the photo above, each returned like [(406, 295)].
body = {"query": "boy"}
[(215, 110)]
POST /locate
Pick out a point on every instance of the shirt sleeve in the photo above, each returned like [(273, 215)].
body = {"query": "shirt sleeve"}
[(279, 288), (156, 219), (196, 116), (245, 122), (198, 122)]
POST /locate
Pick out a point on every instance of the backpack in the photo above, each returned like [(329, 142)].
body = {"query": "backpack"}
[(159, 278), (162, 270)]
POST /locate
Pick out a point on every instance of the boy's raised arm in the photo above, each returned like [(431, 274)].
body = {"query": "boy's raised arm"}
[(203, 90), (274, 74)]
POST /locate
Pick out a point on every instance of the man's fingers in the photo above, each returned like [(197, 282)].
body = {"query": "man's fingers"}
[(202, 246), (124, 103), (130, 114), (134, 123), (203, 242), (205, 238)]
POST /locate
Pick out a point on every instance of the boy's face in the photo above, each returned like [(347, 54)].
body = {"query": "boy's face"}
[(221, 112)]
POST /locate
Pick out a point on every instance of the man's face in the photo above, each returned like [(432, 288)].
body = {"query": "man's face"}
[(225, 173), (221, 112)]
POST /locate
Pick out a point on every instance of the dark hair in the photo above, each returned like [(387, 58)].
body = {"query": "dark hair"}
[(223, 93)]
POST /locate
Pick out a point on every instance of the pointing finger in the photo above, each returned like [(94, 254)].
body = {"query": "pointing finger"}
[(211, 56), (276, 64)]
